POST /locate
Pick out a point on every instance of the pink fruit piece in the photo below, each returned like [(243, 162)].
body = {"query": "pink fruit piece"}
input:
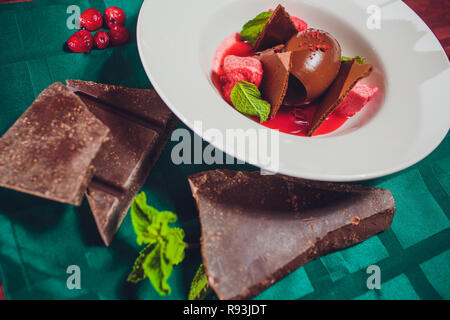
[(118, 35), (358, 97), (236, 69), (101, 39), (81, 41), (114, 16), (91, 19)]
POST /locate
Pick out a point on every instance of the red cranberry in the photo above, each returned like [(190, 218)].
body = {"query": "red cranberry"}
[(81, 41), (101, 39), (91, 19), (118, 35), (114, 16)]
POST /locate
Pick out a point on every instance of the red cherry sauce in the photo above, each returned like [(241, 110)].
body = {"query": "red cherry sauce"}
[(291, 120)]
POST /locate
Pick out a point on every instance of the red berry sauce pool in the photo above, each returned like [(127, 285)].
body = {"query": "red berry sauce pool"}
[(292, 120)]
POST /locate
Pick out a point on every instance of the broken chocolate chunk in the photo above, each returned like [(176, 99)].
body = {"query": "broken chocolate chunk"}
[(140, 125), (349, 74), (278, 29), (276, 78), (49, 151), (316, 59), (256, 229)]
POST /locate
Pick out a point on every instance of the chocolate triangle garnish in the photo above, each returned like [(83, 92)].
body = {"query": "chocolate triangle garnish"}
[(49, 151), (256, 229), (275, 81), (140, 125), (349, 74), (278, 29)]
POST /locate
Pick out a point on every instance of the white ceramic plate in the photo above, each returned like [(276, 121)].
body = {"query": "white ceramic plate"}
[(408, 120)]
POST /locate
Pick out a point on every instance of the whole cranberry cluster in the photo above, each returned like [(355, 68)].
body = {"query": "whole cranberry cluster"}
[(82, 41)]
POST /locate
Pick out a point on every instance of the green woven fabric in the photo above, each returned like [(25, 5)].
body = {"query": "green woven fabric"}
[(39, 239)]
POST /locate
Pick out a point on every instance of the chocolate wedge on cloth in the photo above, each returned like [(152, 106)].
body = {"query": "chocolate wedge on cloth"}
[(278, 29), (257, 229), (140, 125), (49, 151), (349, 74)]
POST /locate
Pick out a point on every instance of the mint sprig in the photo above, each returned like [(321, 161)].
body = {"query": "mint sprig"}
[(246, 98), (199, 286), (359, 59), (253, 28), (165, 245)]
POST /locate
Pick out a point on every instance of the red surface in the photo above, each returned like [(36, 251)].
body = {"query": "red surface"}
[(436, 14)]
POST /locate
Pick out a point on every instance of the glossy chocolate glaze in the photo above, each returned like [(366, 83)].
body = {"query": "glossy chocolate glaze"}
[(316, 59)]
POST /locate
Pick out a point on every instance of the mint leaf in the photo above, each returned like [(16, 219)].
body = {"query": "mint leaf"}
[(253, 28), (199, 286), (138, 274), (165, 245), (360, 60), (246, 98)]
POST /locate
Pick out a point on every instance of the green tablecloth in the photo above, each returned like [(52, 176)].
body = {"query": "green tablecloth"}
[(39, 239)]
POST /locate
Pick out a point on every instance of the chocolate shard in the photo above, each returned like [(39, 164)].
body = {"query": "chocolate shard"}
[(278, 29), (49, 151), (257, 229), (349, 74), (140, 125), (274, 84)]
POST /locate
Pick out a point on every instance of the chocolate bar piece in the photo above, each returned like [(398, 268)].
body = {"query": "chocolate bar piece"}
[(257, 229), (349, 74), (278, 30), (140, 125), (49, 151)]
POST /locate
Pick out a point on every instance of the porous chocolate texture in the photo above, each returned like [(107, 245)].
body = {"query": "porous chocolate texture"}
[(257, 229), (140, 125), (49, 151), (278, 29)]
